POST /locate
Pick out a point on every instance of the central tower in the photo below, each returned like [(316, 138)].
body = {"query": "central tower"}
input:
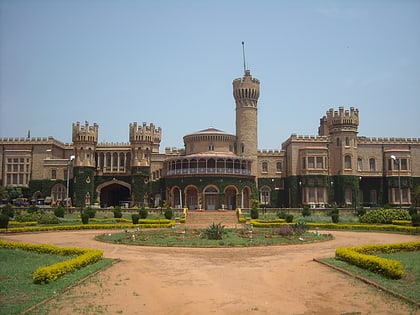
[(246, 91)]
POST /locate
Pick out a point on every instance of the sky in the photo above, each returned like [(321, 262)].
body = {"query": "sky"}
[(172, 63)]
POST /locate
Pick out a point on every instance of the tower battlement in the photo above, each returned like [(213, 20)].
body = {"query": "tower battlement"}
[(339, 120), (145, 133), (246, 90), (85, 133)]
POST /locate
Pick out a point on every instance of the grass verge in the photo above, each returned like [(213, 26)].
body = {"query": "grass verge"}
[(406, 288), (17, 290)]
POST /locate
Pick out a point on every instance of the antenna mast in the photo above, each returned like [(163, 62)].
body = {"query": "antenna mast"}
[(243, 55)]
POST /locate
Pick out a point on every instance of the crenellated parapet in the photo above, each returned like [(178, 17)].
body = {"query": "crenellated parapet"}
[(34, 141), (380, 140), (145, 133), (265, 152), (341, 119), (85, 133)]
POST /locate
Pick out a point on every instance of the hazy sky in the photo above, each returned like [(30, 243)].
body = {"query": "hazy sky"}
[(171, 63)]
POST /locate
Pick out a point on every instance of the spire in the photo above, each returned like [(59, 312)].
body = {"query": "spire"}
[(243, 55)]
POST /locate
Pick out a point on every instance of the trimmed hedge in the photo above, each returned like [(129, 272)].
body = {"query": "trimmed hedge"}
[(45, 274), (362, 256)]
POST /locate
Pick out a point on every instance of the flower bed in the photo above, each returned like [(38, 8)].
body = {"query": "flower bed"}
[(46, 274), (363, 256)]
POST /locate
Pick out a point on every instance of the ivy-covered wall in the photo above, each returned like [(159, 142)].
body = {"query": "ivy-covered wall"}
[(140, 184), (84, 185), (44, 186)]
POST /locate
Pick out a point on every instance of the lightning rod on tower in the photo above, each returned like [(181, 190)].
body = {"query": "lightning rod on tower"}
[(243, 55)]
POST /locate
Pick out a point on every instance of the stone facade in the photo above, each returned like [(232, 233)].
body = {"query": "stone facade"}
[(216, 169)]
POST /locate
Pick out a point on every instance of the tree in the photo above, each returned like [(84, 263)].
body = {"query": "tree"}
[(416, 196)]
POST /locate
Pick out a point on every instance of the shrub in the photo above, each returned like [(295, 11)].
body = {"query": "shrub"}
[(28, 217), (361, 211), (48, 219), (254, 213), (214, 231), (412, 210), (33, 209), (281, 214), (85, 218), (306, 212), (143, 213), (300, 227), (8, 210), (415, 219), (168, 213), (117, 212), (285, 230), (90, 212), (135, 217), (289, 218), (385, 216), (4, 221), (59, 212)]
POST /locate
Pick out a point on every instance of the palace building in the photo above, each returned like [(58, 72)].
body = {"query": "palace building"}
[(215, 169)]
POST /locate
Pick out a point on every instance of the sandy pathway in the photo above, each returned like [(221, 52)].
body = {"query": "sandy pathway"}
[(262, 280)]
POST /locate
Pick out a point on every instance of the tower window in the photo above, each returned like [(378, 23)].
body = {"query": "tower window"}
[(347, 162), (264, 166), (242, 148), (278, 167), (211, 147), (347, 142)]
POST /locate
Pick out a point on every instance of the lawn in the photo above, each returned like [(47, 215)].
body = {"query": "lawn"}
[(17, 290), (178, 236), (407, 286)]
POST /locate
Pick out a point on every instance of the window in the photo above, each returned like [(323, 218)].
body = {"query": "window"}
[(359, 164), (338, 142), (404, 164), (265, 195), (347, 162), (278, 167), (347, 142), (211, 147), (53, 174), (348, 196), (319, 162), (372, 164), (311, 162), (264, 166), (303, 163)]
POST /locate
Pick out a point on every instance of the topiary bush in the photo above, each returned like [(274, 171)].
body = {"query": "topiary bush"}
[(8, 210), (85, 218), (117, 212), (90, 212), (289, 218), (254, 213), (168, 213), (306, 212), (143, 213), (59, 212), (28, 217), (48, 219), (385, 216), (4, 221), (135, 217), (214, 231)]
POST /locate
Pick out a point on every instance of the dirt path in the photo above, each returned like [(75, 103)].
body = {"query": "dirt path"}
[(262, 280)]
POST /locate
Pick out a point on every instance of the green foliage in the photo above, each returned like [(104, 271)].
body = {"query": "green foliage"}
[(135, 217), (117, 212), (8, 210), (412, 210), (385, 216), (4, 221), (168, 213), (85, 218), (254, 213), (91, 212), (48, 219), (214, 231), (281, 214), (28, 217), (143, 212), (415, 219), (361, 211), (335, 217), (300, 228), (33, 209), (289, 218), (59, 212), (306, 212)]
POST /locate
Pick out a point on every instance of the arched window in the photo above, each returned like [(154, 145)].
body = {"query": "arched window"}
[(265, 196), (347, 162), (264, 167), (372, 164), (359, 164), (278, 167), (347, 142)]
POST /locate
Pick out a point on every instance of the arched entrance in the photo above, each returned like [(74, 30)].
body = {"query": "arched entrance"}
[(246, 197), (114, 193), (230, 197), (191, 196), (211, 198)]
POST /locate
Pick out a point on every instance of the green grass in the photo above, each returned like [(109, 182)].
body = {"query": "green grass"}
[(408, 286), (17, 290), (194, 237)]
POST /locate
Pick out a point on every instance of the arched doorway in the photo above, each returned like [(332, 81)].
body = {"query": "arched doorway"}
[(191, 196), (211, 198), (114, 193), (230, 197), (246, 197)]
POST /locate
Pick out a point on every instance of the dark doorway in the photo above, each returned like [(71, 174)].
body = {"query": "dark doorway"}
[(114, 195)]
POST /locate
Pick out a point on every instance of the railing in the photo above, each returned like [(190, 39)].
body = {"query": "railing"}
[(209, 170)]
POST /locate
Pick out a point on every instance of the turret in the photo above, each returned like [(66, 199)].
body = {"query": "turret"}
[(144, 140), (85, 139)]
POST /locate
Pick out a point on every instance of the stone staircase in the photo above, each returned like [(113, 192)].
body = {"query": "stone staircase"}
[(204, 218)]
